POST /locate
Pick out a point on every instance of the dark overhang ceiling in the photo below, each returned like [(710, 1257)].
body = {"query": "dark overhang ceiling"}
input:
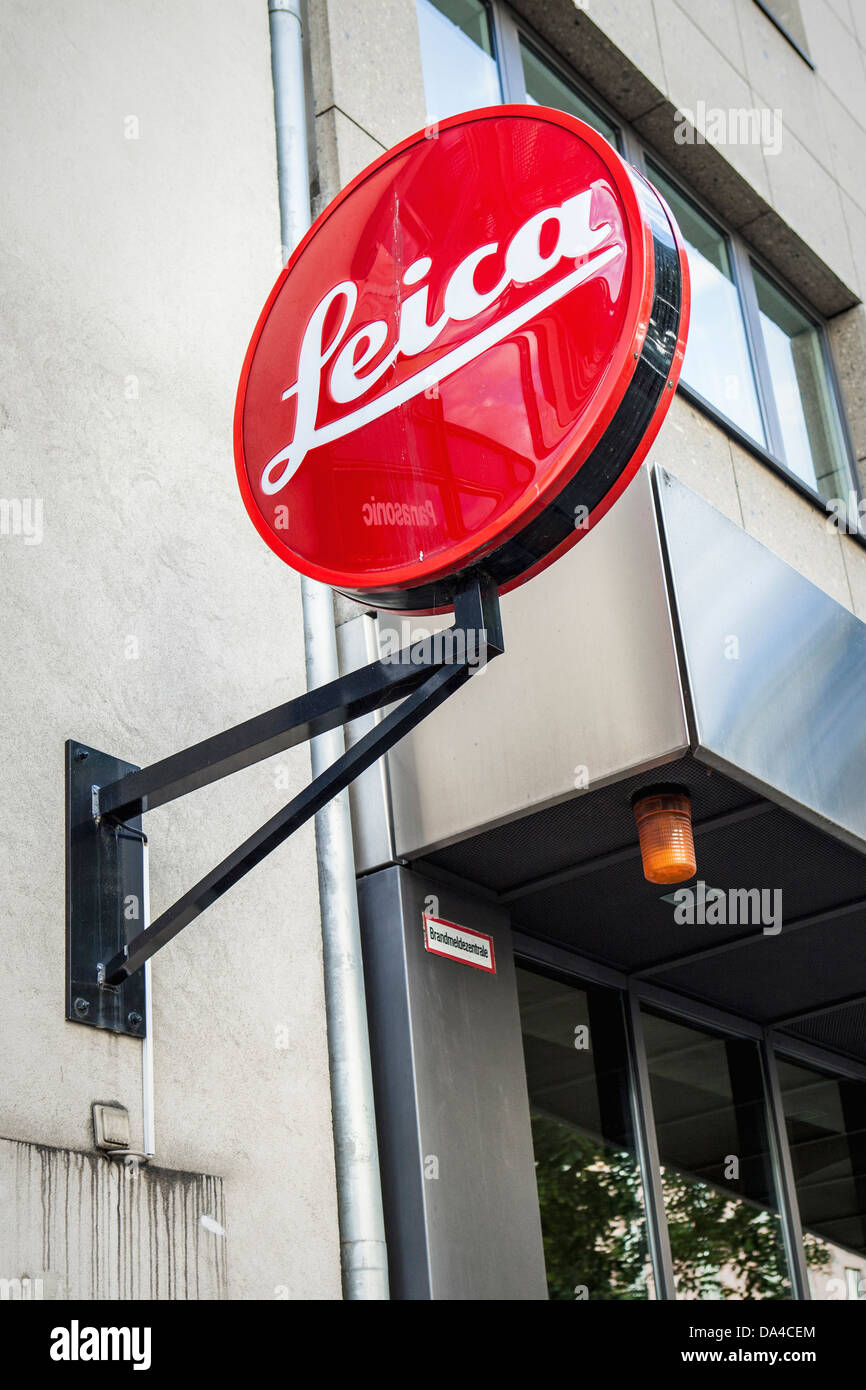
[(571, 875)]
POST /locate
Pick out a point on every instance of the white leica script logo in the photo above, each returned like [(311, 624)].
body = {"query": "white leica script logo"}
[(524, 263)]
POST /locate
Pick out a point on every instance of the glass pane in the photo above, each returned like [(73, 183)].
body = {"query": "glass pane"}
[(787, 13), (826, 1122), (545, 88), (708, 1103), (717, 362), (807, 414), (589, 1186), (456, 57)]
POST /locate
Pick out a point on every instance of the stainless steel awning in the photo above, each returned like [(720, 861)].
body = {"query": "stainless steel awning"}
[(671, 639)]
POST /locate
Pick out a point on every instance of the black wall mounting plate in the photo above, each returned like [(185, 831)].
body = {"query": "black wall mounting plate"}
[(105, 896)]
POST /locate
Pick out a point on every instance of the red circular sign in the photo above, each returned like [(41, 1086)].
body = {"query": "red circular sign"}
[(464, 361)]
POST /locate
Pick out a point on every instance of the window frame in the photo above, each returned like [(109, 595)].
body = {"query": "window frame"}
[(541, 957), (837, 399), (742, 282), (778, 1152), (743, 257), (767, 10), (517, 32), (507, 29), (639, 1104), (490, 9)]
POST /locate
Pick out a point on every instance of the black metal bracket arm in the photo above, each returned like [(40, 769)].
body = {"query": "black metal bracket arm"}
[(421, 677)]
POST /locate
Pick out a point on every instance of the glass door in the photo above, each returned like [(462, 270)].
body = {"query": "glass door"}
[(590, 1192)]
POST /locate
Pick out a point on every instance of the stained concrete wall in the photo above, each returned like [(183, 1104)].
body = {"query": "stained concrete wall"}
[(86, 1226), (141, 237)]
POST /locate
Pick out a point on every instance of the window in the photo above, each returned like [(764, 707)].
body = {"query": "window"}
[(457, 57), (809, 428), (785, 14), (756, 360), (603, 1095), (717, 363), (544, 87), (723, 1223), (825, 1117), (589, 1185)]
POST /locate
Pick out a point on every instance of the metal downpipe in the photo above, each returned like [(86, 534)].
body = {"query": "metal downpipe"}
[(363, 1254)]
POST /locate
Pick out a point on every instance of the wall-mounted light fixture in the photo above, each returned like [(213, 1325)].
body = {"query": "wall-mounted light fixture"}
[(664, 822)]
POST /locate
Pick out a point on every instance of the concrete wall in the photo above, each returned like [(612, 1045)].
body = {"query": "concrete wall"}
[(367, 87), (141, 237), (86, 1226)]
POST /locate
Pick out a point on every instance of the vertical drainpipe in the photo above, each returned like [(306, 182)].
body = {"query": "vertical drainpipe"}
[(363, 1256)]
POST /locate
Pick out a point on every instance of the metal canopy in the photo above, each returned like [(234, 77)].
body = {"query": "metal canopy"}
[(773, 675), (670, 646), (774, 668), (572, 876)]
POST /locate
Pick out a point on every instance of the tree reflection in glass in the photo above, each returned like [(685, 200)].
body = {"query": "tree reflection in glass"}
[(709, 1111), (592, 1216), (589, 1185), (720, 1200)]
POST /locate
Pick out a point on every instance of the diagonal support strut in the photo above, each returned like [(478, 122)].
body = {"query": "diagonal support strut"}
[(436, 688), (421, 677)]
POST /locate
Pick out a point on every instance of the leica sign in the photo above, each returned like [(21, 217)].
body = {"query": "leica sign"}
[(349, 378), (464, 362)]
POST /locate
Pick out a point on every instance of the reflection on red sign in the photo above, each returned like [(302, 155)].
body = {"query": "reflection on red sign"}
[(464, 362)]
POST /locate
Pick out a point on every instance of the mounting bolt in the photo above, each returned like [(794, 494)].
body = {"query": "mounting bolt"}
[(81, 1007), (81, 756), (134, 1019)]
